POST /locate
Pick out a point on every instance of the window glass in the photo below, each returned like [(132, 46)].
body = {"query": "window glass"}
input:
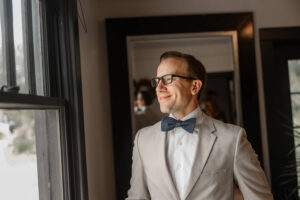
[(19, 33), (297, 153), (18, 161), (294, 75), (37, 45), (30, 155), (2, 53), (296, 109)]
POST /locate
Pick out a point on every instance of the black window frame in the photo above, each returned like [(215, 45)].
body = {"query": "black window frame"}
[(63, 91)]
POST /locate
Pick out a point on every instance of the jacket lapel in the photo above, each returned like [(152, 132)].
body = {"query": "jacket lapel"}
[(205, 144), (165, 171)]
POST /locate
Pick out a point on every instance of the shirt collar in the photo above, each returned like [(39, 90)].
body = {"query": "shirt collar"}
[(194, 114)]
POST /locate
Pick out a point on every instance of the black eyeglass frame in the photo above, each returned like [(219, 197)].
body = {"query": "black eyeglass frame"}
[(155, 81)]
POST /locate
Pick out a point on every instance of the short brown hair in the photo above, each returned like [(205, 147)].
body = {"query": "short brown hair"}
[(195, 68)]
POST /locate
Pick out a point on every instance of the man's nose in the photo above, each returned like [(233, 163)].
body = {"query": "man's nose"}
[(159, 85)]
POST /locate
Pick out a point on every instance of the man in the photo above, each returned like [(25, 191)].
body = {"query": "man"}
[(188, 155)]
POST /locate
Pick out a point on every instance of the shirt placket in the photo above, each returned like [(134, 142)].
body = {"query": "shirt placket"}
[(180, 165)]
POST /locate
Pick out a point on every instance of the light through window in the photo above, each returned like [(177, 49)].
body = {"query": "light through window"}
[(2, 52), (39, 63), (24, 139), (18, 27), (294, 77), (18, 162)]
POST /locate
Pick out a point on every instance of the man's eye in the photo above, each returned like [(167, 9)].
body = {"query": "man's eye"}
[(168, 79)]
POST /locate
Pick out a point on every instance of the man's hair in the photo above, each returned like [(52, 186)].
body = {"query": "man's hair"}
[(195, 68)]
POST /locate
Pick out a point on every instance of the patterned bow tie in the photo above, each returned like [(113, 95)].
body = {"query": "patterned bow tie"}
[(169, 123)]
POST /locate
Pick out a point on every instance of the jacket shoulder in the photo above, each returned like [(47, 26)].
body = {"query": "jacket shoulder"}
[(148, 131), (226, 129)]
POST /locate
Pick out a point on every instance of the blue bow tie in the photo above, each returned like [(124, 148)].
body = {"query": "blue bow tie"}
[(169, 123)]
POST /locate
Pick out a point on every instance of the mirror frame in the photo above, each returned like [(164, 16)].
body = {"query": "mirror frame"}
[(117, 29)]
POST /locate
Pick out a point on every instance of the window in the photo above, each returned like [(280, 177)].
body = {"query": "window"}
[(294, 77), (42, 152), (24, 50), (25, 139)]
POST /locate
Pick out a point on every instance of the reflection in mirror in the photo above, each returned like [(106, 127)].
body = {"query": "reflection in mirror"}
[(216, 50), (146, 110)]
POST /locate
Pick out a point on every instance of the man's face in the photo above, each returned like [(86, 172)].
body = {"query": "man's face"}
[(175, 98)]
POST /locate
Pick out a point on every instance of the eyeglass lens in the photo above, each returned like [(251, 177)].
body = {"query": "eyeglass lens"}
[(166, 79)]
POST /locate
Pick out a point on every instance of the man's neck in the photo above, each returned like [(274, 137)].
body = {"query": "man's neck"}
[(180, 115)]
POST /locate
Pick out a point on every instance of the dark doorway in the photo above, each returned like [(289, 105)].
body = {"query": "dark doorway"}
[(280, 50)]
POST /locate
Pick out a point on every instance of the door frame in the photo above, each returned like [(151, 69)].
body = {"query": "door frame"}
[(117, 29)]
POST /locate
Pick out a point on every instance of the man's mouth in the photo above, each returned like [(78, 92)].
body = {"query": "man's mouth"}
[(163, 98)]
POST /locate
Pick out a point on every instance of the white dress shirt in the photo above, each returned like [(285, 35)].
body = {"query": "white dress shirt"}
[(181, 151)]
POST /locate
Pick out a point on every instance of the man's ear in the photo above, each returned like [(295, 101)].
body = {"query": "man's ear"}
[(196, 87)]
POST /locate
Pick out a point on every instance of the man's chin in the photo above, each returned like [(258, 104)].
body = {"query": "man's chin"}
[(164, 109)]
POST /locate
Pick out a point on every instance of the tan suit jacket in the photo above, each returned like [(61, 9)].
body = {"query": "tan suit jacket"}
[(224, 158)]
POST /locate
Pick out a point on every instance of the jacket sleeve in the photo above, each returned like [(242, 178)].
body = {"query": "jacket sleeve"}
[(138, 184), (248, 173)]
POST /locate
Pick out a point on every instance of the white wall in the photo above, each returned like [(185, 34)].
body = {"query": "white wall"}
[(96, 99), (96, 105)]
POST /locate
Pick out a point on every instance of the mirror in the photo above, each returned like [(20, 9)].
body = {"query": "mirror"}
[(216, 50), (127, 39)]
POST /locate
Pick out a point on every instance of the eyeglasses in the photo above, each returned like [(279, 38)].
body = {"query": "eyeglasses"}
[(167, 79)]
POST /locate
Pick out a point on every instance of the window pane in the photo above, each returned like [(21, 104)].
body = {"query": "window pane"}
[(297, 153), (294, 75), (18, 17), (2, 49), (18, 162), (37, 44), (30, 155), (296, 109)]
